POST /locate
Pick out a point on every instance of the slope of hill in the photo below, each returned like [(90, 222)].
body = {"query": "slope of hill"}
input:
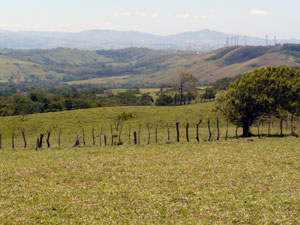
[(138, 66)]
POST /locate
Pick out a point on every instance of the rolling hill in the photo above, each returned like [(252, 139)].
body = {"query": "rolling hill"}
[(138, 66)]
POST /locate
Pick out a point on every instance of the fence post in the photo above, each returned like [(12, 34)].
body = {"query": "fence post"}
[(120, 133), (168, 130), (13, 140), (112, 135), (218, 129), (100, 138), (48, 138), (187, 132), (83, 138), (177, 130), (226, 136), (236, 131), (93, 136), (77, 142), (139, 135), (149, 133), (24, 138), (59, 134), (156, 130), (197, 131), (105, 140), (135, 138), (129, 134), (209, 131)]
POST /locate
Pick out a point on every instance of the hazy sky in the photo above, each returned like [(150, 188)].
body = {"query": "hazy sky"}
[(250, 17)]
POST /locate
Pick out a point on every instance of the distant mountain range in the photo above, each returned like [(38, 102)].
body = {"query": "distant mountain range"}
[(204, 40)]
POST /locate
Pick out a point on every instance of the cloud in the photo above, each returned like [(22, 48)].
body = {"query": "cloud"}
[(257, 12)]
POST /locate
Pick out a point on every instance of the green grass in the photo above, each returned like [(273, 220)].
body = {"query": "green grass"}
[(238, 181), (233, 182)]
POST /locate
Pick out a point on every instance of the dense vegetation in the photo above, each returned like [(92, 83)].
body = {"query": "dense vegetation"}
[(67, 98)]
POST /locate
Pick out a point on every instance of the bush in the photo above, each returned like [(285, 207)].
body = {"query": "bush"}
[(164, 100)]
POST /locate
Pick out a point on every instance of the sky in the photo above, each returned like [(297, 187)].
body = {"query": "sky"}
[(245, 17)]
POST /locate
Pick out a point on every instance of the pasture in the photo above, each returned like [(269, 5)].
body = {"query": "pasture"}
[(234, 181)]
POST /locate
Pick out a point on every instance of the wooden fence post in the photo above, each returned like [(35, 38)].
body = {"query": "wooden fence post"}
[(77, 142), (149, 133), (168, 130), (156, 130), (139, 135), (13, 140), (83, 137), (100, 138), (135, 138), (24, 138), (129, 134), (48, 138), (93, 136), (209, 131), (120, 133), (187, 132), (197, 131), (105, 140), (177, 131), (112, 135), (59, 135), (218, 129), (236, 131)]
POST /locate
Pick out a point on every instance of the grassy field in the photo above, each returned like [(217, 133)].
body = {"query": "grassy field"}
[(238, 181)]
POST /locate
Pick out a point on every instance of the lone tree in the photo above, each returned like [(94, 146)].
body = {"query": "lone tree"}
[(266, 91), (186, 86)]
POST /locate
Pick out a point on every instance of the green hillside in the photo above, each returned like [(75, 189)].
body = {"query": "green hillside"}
[(137, 66), (236, 181)]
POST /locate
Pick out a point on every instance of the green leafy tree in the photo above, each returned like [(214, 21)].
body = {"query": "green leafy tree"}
[(266, 91), (164, 100)]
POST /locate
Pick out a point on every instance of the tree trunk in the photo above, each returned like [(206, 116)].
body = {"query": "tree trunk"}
[(246, 130), (281, 121)]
